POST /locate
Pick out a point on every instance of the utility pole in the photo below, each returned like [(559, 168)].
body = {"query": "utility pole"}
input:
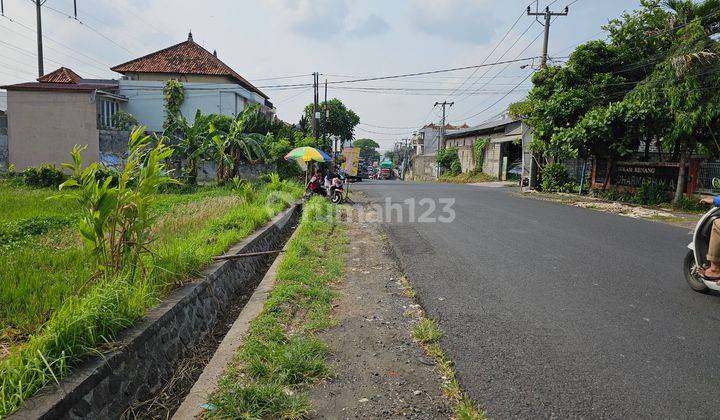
[(38, 13), (315, 106), (444, 104), (548, 15)]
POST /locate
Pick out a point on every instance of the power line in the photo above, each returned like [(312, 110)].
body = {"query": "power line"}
[(489, 55), (54, 49), (465, 92), (396, 76), (107, 38), (503, 97)]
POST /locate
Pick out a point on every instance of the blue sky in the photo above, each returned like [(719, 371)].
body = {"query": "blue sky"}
[(339, 38)]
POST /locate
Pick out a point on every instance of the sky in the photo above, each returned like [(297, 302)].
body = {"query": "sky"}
[(281, 42)]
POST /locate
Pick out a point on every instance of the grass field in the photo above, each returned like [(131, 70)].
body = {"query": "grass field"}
[(53, 315)]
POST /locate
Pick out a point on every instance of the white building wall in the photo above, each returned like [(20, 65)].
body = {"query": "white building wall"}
[(147, 104)]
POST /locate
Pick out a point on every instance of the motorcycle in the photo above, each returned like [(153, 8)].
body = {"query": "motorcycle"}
[(337, 190), (697, 256)]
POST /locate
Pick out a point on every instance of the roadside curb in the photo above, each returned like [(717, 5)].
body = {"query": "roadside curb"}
[(207, 383)]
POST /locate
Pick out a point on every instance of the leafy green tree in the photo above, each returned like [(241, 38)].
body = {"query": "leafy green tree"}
[(368, 149), (652, 81), (341, 121)]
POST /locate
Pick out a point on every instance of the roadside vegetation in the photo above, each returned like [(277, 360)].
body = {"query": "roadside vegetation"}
[(467, 178), (65, 292), (282, 354), (651, 85), (427, 334)]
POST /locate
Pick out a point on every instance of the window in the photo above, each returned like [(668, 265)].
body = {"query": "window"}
[(3, 125), (108, 108)]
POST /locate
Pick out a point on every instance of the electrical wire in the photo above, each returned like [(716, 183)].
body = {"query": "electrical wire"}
[(396, 76), (489, 55), (107, 38), (60, 52)]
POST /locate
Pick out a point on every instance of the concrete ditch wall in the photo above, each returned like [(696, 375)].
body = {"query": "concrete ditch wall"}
[(149, 352)]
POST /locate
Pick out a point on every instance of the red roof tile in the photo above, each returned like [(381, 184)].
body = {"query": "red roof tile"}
[(73, 87), (64, 79), (61, 75), (184, 58)]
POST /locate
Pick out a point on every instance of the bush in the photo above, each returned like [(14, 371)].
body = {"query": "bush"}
[(123, 120), (447, 157), (455, 168), (650, 193), (103, 172), (554, 178), (43, 176), (691, 204)]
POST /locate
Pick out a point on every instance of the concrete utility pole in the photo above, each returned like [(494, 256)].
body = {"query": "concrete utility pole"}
[(315, 106), (444, 104), (38, 13), (548, 15)]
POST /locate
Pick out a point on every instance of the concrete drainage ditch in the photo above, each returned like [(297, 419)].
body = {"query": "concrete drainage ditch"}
[(158, 360)]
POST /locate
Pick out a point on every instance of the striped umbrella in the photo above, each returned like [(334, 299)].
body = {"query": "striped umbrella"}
[(307, 154)]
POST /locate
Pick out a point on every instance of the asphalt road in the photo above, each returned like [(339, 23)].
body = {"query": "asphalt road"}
[(557, 311)]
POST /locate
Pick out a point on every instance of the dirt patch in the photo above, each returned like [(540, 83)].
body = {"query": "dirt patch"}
[(657, 214), (379, 371)]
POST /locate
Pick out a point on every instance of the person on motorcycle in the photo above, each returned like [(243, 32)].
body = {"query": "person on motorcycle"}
[(315, 184), (712, 272)]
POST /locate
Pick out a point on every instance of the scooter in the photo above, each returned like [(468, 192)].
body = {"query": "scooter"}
[(696, 257)]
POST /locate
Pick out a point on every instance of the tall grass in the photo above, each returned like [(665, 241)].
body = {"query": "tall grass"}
[(281, 352), (40, 274), (79, 324), (20, 202)]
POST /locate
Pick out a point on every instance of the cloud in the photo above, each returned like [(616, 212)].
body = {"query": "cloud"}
[(314, 18), (373, 25), (468, 21)]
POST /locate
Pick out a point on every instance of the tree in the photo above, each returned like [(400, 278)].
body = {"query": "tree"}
[(368, 149), (190, 142), (240, 144), (654, 80), (341, 123)]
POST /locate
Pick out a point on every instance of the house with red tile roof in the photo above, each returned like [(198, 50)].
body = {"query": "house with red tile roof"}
[(210, 85), (46, 118)]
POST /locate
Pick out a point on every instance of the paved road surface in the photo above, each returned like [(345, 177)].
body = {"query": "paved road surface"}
[(551, 310)]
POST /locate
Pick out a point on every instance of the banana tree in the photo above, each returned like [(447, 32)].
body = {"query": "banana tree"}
[(190, 142), (241, 145)]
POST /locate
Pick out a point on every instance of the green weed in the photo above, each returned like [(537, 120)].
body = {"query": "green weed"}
[(281, 352), (45, 293)]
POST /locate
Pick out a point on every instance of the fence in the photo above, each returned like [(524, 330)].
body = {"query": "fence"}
[(708, 171)]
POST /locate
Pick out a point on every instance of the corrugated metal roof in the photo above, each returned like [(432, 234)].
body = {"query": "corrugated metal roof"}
[(184, 58), (482, 128)]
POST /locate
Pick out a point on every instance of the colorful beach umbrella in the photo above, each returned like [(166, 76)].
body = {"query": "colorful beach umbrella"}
[(307, 154)]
